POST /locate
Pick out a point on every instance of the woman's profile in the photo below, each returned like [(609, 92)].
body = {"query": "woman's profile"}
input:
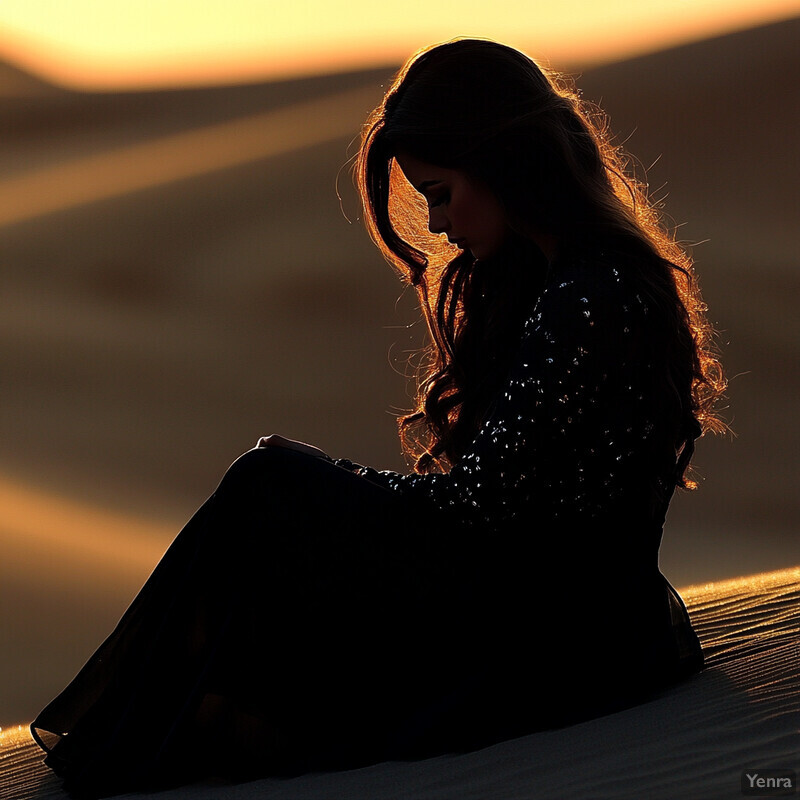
[(316, 614)]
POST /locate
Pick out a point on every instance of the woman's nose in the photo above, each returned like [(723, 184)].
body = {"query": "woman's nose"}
[(437, 220)]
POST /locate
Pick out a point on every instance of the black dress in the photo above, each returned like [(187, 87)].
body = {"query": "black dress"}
[(318, 615)]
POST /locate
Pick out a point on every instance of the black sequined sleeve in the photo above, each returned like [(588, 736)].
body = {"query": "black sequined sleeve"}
[(571, 432)]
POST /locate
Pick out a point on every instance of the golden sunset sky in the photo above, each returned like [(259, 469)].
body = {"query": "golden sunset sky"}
[(138, 43)]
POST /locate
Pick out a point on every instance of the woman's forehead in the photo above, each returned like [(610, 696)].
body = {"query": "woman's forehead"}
[(422, 175)]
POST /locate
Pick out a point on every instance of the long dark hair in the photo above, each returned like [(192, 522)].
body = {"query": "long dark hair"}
[(489, 110)]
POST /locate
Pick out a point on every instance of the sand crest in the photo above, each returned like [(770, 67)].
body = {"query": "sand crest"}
[(691, 742)]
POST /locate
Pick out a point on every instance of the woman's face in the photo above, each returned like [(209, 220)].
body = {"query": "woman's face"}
[(468, 212)]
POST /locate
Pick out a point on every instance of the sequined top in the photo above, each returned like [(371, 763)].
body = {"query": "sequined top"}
[(580, 431)]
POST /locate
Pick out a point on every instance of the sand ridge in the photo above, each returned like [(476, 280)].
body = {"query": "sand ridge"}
[(180, 156), (150, 337), (691, 742)]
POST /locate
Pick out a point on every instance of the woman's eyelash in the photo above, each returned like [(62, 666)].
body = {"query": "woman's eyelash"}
[(441, 200)]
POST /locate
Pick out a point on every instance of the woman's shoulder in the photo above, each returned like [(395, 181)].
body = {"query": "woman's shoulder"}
[(602, 270), (593, 285)]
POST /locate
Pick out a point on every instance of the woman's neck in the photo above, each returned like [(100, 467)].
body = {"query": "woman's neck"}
[(538, 249), (548, 244)]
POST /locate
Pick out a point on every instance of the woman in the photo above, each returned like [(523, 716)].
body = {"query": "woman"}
[(316, 614)]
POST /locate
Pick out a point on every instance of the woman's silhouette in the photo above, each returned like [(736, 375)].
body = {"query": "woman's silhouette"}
[(315, 614)]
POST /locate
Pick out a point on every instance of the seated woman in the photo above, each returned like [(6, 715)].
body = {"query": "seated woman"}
[(316, 614)]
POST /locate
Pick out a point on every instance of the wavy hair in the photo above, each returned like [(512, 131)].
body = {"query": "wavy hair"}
[(548, 156)]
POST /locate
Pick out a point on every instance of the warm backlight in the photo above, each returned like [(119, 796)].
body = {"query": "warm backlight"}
[(97, 44)]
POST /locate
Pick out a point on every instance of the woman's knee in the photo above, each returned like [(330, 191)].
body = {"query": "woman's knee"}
[(281, 477), (259, 465)]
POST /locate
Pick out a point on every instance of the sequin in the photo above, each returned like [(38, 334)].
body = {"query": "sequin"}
[(572, 434)]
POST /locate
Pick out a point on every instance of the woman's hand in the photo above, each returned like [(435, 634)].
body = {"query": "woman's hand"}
[(273, 440)]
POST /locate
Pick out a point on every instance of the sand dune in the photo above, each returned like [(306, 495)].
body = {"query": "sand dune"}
[(56, 541), (257, 260), (15, 82), (694, 741), (68, 572), (176, 157), (197, 292)]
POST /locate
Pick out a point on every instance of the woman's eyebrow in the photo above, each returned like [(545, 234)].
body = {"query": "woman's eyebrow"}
[(426, 185)]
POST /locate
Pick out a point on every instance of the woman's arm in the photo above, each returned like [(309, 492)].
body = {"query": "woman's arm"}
[(573, 429)]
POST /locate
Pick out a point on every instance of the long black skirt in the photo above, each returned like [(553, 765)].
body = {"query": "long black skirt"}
[(307, 619)]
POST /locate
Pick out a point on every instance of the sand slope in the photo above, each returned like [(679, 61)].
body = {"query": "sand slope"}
[(180, 280), (170, 303), (691, 743)]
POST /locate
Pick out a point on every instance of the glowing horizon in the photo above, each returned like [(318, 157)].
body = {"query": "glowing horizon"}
[(96, 45)]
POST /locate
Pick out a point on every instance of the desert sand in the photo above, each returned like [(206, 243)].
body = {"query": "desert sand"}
[(180, 278), (693, 741)]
